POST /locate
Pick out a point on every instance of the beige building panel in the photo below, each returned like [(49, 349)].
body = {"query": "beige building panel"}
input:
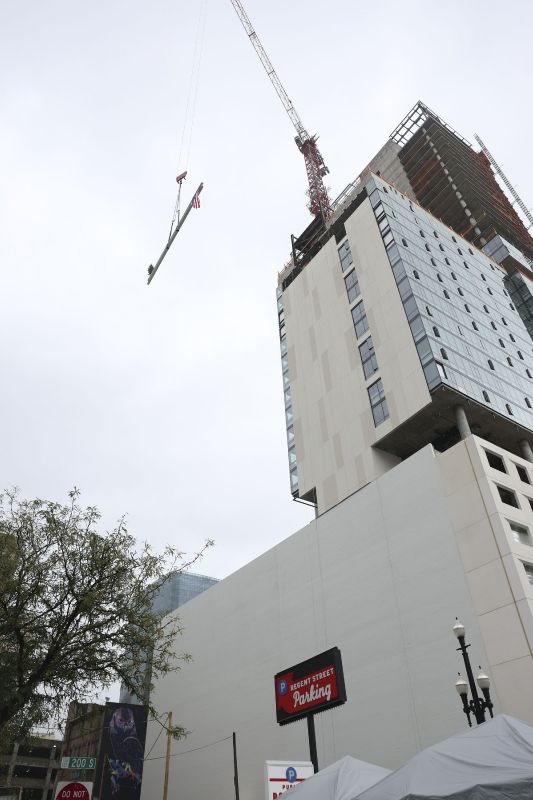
[(477, 545), (504, 635), (515, 679)]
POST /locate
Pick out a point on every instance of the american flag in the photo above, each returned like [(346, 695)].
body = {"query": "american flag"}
[(196, 201)]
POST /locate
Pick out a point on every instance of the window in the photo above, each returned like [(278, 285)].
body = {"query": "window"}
[(428, 248), (433, 262), (459, 251), (292, 456), (444, 354), (509, 409), (523, 474), (368, 357), (529, 572), (470, 251), (454, 239), (439, 277), (441, 247), (441, 370), (519, 354), (492, 323), (359, 320), (435, 234), (429, 313), (460, 291), (509, 361), (483, 278), (486, 396), (495, 461), (507, 496), (504, 321), (436, 331), (489, 290), (352, 286), (466, 265), (474, 324), (404, 242), (528, 373), (511, 337), (422, 234), (446, 295), (388, 238), (454, 276), (447, 261), (511, 307), (528, 402), (520, 533), (345, 255), (491, 364), (294, 480), (485, 309), (378, 404), (416, 275), (502, 343)]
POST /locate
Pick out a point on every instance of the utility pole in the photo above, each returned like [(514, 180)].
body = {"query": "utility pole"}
[(235, 767), (167, 757)]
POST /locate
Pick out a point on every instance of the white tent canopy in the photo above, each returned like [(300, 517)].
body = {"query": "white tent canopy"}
[(339, 781), (497, 755)]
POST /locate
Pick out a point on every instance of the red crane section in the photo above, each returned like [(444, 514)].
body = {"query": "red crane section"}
[(319, 202)]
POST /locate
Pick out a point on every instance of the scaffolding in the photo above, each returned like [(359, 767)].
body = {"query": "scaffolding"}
[(414, 120)]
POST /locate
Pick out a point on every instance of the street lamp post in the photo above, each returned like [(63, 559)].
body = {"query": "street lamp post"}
[(477, 705)]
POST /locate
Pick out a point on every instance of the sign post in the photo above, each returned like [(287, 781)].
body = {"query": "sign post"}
[(308, 688)]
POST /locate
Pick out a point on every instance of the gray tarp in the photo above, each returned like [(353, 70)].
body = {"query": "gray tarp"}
[(521, 790), (488, 762), (339, 781)]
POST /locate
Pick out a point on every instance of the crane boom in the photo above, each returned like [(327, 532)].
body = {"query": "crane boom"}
[(319, 202)]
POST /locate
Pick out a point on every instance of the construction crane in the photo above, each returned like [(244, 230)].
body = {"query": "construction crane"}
[(319, 202)]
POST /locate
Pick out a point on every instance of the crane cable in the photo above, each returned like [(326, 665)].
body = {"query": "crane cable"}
[(190, 107)]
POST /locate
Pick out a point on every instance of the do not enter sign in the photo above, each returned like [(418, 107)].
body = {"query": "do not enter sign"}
[(74, 791)]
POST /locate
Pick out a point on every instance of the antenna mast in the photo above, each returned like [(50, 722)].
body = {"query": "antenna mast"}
[(319, 202)]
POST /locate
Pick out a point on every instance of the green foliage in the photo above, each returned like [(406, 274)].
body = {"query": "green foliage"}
[(76, 610)]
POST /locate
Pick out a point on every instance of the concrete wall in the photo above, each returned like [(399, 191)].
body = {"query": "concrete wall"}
[(383, 576), (494, 562)]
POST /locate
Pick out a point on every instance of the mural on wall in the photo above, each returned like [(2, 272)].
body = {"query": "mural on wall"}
[(120, 764)]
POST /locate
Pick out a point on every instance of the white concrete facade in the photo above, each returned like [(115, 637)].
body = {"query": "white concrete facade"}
[(333, 428), (382, 575)]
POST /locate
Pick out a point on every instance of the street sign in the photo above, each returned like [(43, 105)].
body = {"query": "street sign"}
[(78, 762), (309, 687), (74, 790), (280, 776)]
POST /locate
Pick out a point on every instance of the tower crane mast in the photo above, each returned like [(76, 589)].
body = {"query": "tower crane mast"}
[(319, 202)]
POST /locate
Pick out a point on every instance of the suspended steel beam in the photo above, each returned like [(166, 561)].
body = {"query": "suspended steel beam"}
[(195, 203)]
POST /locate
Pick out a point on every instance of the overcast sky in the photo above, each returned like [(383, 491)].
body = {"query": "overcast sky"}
[(165, 402)]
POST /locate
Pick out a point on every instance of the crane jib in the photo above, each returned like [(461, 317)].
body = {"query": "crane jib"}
[(319, 202)]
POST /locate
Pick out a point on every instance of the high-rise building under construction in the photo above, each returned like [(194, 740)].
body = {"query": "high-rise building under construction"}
[(403, 243), (405, 329)]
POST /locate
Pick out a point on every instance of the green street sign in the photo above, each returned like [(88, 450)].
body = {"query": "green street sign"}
[(78, 762)]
